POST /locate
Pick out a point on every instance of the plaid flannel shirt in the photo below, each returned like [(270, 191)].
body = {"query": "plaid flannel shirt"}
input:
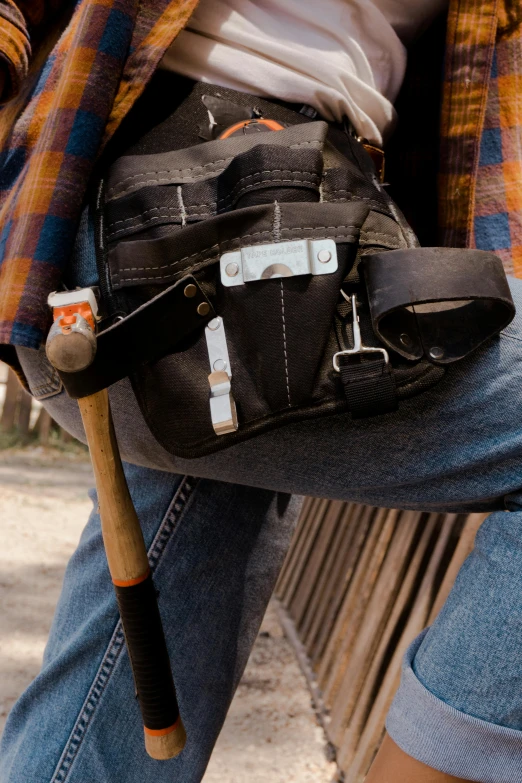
[(65, 92)]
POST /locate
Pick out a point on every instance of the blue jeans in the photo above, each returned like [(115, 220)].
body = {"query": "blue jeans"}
[(217, 542)]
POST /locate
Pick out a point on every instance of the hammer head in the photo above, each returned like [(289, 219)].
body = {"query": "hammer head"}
[(71, 342)]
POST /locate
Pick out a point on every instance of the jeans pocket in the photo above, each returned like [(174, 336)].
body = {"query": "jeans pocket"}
[(43, 380)]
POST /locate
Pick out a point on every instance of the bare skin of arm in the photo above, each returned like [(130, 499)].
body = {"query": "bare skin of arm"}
[(392, 765)]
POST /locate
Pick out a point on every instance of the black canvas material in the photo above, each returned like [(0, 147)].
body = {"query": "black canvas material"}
[(175, 202)]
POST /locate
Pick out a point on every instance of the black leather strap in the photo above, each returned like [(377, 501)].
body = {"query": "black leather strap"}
[(151, 331), (436, 301)]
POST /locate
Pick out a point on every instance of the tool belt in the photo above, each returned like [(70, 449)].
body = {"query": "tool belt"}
[(253, 276)]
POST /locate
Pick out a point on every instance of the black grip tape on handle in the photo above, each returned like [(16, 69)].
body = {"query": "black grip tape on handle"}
[(148, 654)]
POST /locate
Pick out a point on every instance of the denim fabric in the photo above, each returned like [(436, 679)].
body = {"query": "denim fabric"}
[(215, 550), (445, 738)]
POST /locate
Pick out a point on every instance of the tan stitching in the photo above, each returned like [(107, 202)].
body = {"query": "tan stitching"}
[(369, 232), (232, 195), (166, 210), (170, 274), (183, 211), (284, 344), (115, 190), (173, 263), (211, 257), (264, 181)]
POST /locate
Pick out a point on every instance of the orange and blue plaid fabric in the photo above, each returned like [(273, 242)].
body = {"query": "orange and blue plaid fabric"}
[(497, 213), (480, 180), (65, 99), (71, 97)]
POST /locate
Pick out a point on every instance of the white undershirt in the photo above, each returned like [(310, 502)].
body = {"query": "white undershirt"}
[(343, 57)]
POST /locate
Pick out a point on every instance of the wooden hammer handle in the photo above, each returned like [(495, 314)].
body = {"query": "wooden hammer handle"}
[(130, 573)]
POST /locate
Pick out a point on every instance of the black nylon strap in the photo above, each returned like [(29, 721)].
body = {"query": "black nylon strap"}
[(148, 333), (369, 385)]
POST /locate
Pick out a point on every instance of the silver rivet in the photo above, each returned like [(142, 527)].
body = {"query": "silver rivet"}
[(220, 365), (406, 340), (436, 352), (324, 256), (214, 324), (232, 269)]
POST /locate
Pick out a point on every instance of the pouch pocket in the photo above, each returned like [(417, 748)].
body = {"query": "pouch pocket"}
[(279, 327), (279, 339), (262, 175)]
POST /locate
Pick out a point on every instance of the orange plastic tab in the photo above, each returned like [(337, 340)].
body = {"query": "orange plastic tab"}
[(69, 312)]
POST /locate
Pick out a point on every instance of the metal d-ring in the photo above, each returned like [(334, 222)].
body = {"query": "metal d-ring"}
[(358, 347)]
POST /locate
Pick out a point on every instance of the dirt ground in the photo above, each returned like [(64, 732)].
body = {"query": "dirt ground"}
[(270, 736)]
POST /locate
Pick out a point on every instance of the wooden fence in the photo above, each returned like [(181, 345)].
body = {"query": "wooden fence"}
[(358, 585)]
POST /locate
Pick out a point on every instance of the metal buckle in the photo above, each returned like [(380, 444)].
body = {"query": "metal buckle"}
[(358, 347)]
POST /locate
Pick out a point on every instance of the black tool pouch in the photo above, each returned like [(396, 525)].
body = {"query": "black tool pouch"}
[(256, 280)]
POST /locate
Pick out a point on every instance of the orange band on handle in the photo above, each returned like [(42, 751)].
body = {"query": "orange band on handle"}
[(162, 732), (131, 582)]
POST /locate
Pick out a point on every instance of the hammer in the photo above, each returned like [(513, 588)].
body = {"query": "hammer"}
[(71, 347)]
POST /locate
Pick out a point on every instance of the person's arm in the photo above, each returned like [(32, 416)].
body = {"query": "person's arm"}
[(18, 21), (393, 765)]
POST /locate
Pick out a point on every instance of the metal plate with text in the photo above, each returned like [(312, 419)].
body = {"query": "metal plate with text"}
[(279, 259)]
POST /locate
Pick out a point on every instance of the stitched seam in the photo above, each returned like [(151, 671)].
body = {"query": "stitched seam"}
[(510, 336), (112, 654), (236, 196), (181, 206), (97, 688), (230, 196), (334, 191), (114, 191), (277, 221), (227, 200), (207, 260), (172, 263), (149, 222), (245, 236), (371, 233), (332, 198), (161, 210), (51, 382), (284, 344)]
